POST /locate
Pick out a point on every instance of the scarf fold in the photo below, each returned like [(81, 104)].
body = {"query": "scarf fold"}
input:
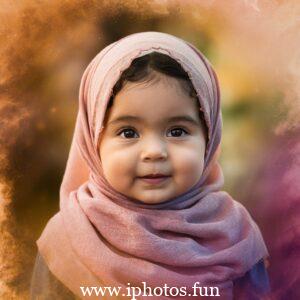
[(103, 238)]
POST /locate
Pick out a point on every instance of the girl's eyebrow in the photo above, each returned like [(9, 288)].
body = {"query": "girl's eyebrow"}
[(183, 118)]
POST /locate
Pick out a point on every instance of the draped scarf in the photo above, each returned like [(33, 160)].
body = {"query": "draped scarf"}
[(100, 237)]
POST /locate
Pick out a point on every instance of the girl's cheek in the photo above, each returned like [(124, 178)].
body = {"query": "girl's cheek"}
[(117, 172), (189, 162), (122, 162)]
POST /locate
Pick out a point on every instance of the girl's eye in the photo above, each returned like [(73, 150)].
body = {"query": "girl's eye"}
[(128, 133), (177, 132)]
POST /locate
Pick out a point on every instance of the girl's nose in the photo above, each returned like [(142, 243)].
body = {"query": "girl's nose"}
[(154, 150)]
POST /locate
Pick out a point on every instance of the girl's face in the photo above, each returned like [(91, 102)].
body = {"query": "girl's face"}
[(153, 129)]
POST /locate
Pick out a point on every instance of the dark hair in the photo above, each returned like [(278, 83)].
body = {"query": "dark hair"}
[(141, 69)]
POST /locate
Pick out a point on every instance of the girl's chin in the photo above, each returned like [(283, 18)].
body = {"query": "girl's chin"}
[(155, 199)]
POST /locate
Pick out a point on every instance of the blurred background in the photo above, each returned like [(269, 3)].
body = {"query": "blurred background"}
[(254, 48)]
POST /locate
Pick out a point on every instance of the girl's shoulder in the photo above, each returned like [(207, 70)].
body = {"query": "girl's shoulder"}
[(254, 285), (44, 285)]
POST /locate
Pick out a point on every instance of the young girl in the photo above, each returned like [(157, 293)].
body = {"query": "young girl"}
[(140, 201)]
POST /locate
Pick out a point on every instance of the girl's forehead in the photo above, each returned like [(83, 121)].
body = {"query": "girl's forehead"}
[(154, 99)]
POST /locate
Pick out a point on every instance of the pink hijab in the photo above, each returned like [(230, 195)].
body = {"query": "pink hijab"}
[(103, 238)]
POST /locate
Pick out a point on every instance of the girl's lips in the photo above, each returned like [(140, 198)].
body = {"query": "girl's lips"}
[(154, 180)]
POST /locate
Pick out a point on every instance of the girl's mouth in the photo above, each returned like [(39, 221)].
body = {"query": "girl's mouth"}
[(154, 179)]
